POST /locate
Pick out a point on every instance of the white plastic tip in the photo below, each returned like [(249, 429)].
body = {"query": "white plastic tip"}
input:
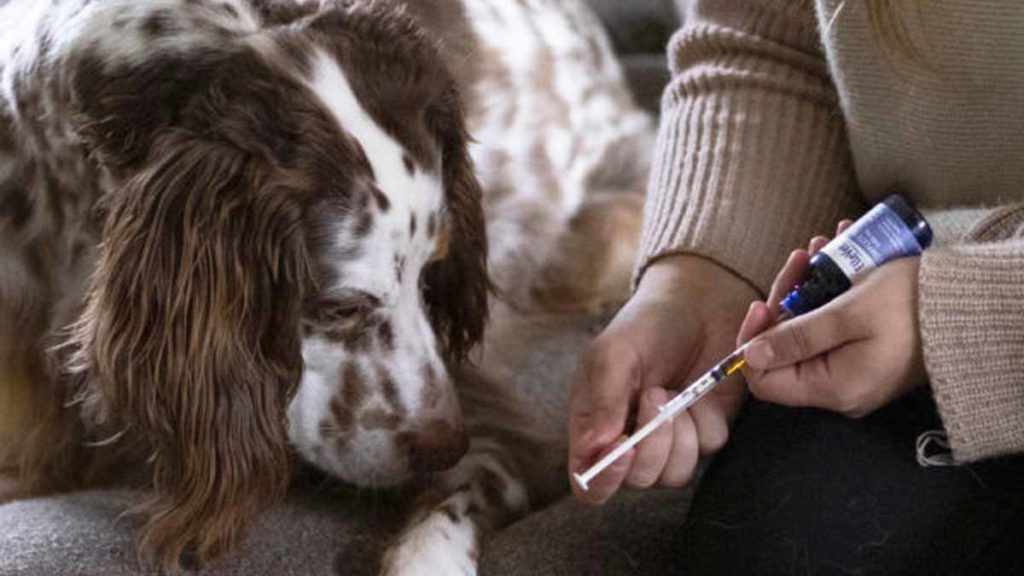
[(580, 481)]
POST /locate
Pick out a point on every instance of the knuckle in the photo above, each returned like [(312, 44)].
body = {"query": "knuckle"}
[(799, 342), (849, 316), (713, 440), (644, 479), (678, 479)]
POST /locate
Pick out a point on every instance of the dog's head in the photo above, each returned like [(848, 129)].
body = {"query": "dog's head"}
[(402, 282), (293, 248)]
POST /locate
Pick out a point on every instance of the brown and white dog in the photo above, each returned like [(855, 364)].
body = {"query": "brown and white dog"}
[(236, 231)]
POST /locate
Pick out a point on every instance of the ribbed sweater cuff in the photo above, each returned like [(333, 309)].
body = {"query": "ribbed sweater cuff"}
[(972, 326)]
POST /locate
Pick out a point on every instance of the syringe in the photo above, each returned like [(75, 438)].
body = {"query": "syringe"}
[(892, 229), (668, 411)]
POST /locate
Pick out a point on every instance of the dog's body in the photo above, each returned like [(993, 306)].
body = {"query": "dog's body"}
[(191, 251)]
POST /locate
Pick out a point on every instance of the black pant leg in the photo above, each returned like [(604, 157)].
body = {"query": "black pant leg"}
[(800, 491)]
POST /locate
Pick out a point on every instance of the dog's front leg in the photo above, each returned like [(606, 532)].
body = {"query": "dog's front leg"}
[(481, 494)]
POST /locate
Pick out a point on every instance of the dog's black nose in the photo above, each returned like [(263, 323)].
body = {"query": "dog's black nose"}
[(436, 446)]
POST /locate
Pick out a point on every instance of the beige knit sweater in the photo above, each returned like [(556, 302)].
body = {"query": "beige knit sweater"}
[(784, 116)]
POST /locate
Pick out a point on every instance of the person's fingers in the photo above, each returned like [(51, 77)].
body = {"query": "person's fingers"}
[(842, 226), (833, 381), (600, 400), (816, 244), (791, 274), (797, 385), (803, 338), (653, 451), (607, 483), (682, 458), (759, 318), (710, 416)]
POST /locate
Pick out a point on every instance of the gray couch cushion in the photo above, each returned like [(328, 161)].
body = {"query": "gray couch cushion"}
[(640, 30), (638, 26), (89, 534), (327, 533)]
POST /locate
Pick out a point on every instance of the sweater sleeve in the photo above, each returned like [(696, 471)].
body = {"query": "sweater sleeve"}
[(752, 158), (972, 328)]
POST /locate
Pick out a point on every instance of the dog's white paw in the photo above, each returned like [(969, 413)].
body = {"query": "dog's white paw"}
[(442, 544)]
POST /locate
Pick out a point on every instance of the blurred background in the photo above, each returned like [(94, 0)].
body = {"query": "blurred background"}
[(640, 30)]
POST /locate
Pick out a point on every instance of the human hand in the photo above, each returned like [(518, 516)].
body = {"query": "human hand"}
[(852, 356), (683, 318)]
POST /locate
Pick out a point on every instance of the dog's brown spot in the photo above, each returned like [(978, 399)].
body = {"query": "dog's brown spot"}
[(448, 509), (412, 225), (431, 225), (410, 166), (391, 395), (342, 419), (382, 200), (431, 387), (386, 335), (377, 419), (399, 268), (353, 385), (363, 225), (158, 23)]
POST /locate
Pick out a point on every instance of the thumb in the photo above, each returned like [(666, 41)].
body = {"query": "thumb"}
[(802, 338)]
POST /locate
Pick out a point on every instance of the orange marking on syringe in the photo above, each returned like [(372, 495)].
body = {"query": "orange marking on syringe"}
[(740, 363)]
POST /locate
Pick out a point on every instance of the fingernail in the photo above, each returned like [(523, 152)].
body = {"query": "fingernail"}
[(760, 355)]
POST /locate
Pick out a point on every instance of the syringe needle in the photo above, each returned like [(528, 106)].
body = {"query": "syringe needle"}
[(670, 410)]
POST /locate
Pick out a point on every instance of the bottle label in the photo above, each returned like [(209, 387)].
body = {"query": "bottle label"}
[(876, 238)]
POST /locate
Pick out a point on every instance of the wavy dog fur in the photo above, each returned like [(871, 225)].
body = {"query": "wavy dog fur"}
[(190, 337), (210, 177)]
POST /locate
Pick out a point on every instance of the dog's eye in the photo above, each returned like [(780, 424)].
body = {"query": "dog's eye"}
[(349, 306)]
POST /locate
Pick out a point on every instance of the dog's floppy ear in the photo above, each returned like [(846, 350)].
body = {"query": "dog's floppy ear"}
[(190, 338), (457, 286)]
